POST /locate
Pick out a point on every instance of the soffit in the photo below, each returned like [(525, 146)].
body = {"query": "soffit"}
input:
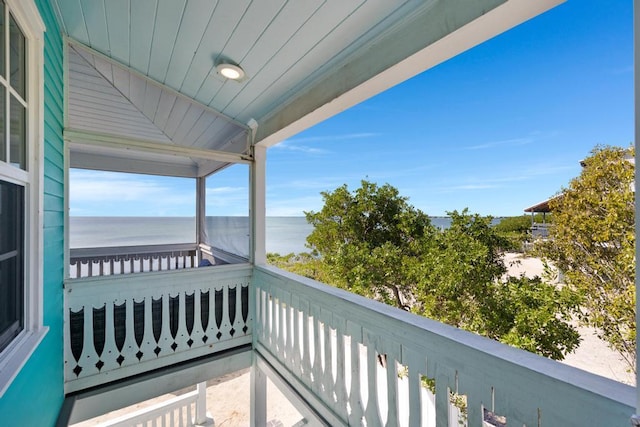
[(305, 60)]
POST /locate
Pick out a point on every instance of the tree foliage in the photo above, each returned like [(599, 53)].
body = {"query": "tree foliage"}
[(593, 243), (373, 242), (365, 236)]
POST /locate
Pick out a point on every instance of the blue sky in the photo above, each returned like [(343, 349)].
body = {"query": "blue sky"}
[(495, 129)]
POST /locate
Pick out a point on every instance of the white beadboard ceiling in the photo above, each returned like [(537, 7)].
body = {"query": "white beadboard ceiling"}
[(149, 73)]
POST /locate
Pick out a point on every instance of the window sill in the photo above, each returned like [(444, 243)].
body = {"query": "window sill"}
[(17, 354)]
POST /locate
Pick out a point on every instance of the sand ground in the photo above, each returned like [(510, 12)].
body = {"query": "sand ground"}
[(228, 396)]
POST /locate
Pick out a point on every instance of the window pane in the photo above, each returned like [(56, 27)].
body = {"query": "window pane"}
[(3, 135), (2, 41), (18, 136), (17, 50), (11, 262)]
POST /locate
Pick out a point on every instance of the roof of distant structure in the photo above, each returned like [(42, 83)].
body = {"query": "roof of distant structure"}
[(540, 207)]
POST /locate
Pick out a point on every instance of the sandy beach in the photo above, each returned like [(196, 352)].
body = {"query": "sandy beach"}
[(228, 396)]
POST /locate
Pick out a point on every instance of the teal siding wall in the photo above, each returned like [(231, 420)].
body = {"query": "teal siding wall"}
[(36, 395)]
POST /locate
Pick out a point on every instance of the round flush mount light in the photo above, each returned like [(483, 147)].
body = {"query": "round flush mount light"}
[(230, 71)]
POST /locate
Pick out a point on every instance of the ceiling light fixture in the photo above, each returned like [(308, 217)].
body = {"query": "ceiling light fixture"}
[(230, 71)]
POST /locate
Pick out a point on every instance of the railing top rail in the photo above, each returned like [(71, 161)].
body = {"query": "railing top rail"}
[(409, 328), (134, 249), (157, 278)]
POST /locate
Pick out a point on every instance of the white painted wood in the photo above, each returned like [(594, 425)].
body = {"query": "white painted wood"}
[(525, 385), (177, 409), (111, 291), (89, 262), (18, 352), (258, 205), (258, 416)]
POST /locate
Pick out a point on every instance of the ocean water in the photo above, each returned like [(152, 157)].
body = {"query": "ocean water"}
[(283, 234)]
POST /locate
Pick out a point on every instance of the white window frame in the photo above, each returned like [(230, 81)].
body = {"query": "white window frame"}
[(16, 354)]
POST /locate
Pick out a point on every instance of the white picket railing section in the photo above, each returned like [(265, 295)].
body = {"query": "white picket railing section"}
[(357, 361), (90, 262), (182, 411), (120, 326)]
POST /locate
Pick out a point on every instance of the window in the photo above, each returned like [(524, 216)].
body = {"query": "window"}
[(21, 326), (11, 262)]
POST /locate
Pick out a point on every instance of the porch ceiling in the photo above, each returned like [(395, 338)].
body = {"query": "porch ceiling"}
[(305, 60)]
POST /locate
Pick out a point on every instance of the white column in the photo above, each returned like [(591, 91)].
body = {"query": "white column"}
[(258, 396), (258, 205), (201, 219), (201, 407)]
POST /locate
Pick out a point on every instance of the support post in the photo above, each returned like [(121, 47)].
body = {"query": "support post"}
[(258, 205), (258, 395), (202, 418), (201, 212)]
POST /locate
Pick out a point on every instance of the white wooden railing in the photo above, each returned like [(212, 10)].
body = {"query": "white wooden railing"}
[(358, 361), (186, 410), (106, 261), (120, 326)]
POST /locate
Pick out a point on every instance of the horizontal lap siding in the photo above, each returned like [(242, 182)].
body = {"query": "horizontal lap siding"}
[(37, 393)]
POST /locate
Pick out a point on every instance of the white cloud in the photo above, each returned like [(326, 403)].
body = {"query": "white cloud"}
[(515, 142), (338, 137)]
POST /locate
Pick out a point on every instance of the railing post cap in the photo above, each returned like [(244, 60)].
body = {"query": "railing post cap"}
[(635, 420)]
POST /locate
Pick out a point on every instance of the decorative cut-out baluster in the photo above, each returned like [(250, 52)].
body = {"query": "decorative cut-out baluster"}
[(156, 315), (204, 314), (218, 303), (244, 296), (138, 326), (189, 304), (76, 337), (99, 327), (119, 328), (174, 318)]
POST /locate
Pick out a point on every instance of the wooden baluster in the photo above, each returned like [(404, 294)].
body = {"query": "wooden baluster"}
[(296, 318), (267, 320), (416, 365), (392, 354), (274, 321), (372, 412), (327, 378), (281, 327), (340, 386), (306, 338), (288, 318), (111, 267), (355, 396), (316, 385), (90, 263), (78, 269)]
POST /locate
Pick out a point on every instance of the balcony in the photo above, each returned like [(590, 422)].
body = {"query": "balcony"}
[(341, 358)]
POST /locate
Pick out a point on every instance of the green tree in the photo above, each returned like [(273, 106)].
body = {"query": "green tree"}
[(369, 240), (593, 242), (374, 243)]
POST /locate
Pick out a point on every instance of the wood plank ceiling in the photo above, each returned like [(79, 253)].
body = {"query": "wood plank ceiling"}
[(298, 56)]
